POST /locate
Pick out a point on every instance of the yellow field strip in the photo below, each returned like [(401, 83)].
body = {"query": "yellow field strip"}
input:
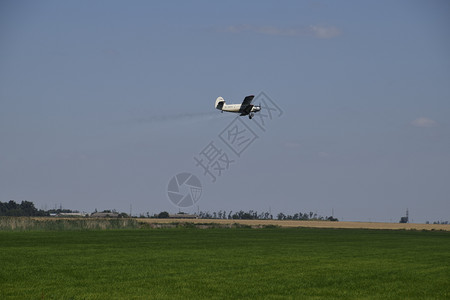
[(315, 224)]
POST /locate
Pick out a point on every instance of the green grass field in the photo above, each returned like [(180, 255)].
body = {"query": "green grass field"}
[(236, 263)]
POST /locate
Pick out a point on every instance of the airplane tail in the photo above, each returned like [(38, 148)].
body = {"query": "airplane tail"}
[(219, 103)]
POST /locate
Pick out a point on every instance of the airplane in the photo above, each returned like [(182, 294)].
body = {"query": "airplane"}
[(246, 108)]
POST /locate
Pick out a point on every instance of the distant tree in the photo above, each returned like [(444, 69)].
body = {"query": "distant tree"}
[(25, 208), (163, 215), (239, 215), (281, 216), (403, 220)]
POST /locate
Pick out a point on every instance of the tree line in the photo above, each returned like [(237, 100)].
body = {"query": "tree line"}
[(27, 209), (254, 215), (24, 209)]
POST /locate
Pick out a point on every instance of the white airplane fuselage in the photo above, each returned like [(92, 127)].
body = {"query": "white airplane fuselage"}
[(238, 108)]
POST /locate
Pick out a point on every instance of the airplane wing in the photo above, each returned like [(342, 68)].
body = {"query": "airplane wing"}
[(247, 101), (246, 110)]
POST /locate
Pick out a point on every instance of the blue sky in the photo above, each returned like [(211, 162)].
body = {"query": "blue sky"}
[(102, 102)]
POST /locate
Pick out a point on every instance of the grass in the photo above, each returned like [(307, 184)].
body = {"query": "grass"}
[(218, 263), (42, 223)]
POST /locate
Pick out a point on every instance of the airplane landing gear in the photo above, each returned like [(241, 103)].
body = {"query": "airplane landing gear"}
[(250, 116)]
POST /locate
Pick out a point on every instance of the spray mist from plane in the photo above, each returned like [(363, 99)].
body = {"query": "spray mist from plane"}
[(198, 116)]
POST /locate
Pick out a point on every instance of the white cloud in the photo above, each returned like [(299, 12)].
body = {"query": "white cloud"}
[(236, 28), (292, 144), (424, 122), (322, 32), (111, 52), (323, 154)]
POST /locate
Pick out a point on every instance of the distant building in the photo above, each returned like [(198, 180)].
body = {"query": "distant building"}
[(406, 218), (69, 215), (72, 214), (183, 216), (104, 215)]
